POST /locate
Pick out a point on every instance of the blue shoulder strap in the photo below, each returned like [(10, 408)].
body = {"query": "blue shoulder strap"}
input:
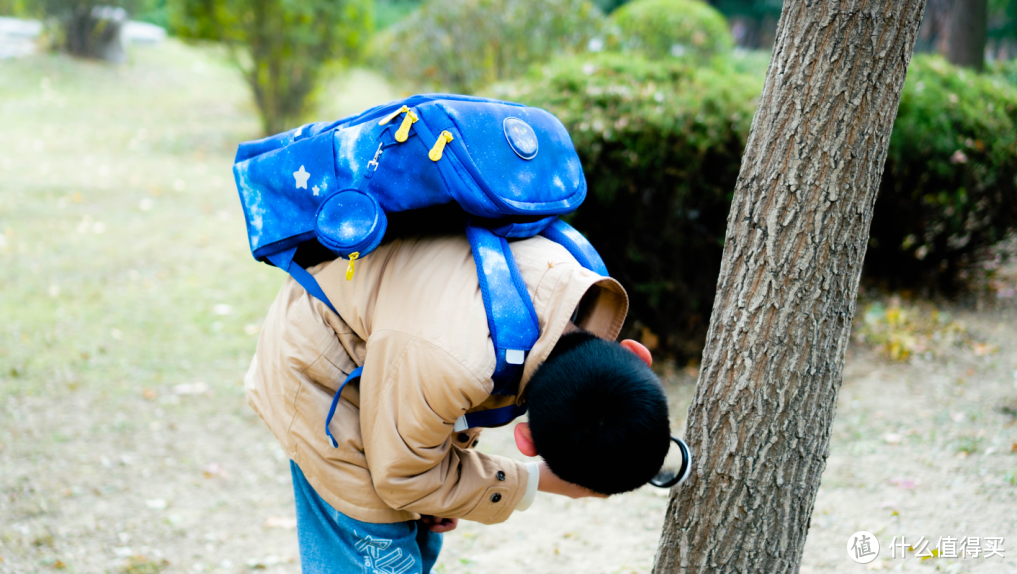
[(510, 314), (511, 317), (284, 260), (568, 237)]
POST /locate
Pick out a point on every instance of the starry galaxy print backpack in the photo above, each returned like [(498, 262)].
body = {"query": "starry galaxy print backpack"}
[(512, 168)]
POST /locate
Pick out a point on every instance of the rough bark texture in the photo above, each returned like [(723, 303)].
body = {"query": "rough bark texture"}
[(759, 423), (969, 21)]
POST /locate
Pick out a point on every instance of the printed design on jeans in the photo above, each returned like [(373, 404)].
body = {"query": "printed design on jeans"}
[(378, 561)]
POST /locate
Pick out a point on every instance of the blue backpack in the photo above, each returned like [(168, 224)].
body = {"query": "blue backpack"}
[(512, 168)]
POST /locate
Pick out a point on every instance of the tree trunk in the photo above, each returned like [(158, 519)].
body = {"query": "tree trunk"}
[(96, 32), (759, 424), (969, 22)]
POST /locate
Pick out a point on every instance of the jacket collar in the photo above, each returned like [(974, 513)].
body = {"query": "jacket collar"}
[(559, 292)]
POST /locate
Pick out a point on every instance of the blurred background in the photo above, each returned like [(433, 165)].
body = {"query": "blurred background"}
[(131, 306)]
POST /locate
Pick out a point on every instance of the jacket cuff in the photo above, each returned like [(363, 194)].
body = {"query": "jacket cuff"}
[(531, 487), (503, 495)]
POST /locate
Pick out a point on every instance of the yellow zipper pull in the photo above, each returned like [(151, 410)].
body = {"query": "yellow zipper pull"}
[(439, 146), (404, 130), (393, 115), (349, 270)]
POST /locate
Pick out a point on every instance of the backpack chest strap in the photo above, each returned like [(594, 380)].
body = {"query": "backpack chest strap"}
[(489, 418), (335, 402)]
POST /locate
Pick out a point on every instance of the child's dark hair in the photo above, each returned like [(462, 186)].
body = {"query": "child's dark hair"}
[(598, 415)]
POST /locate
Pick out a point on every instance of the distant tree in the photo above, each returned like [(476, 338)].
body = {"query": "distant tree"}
[(15, 8), (280, 46), (463, 45), (608, 6), (388, 12), (754, 22), (84, 28), (969, 22), (1003, 28)]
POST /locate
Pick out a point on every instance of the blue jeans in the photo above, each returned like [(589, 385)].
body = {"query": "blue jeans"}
[(331, 542)]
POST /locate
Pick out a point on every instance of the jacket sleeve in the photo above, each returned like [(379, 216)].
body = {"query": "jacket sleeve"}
[(411, 393)]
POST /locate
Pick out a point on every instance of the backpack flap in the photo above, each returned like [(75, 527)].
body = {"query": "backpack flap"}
[(281, 189)]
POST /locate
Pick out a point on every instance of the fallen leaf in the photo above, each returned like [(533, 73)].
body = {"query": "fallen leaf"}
[(1013, 447), (149, 394), (198, 388), (984, 349), (214, 470), (892, 438), (59, 565), (280, 522), (905, 483)]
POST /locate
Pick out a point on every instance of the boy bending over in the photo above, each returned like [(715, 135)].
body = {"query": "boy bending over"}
[(403, 473)]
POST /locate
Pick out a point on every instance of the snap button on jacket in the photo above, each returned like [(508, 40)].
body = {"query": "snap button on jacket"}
[(413, 316)]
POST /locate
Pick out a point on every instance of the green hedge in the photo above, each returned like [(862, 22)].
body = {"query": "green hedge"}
[(660, 29), (949, 183), (661, 143)]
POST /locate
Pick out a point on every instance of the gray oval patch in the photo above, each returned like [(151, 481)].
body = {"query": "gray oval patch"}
[(521, 137)]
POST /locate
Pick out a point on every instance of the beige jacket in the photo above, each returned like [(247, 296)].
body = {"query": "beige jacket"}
[(413, 316)]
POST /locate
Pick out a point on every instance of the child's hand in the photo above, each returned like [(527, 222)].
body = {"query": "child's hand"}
[(550, 483), (439, 525)]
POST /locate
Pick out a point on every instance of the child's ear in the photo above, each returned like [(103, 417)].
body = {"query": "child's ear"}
[(524, 440), (640, 351)]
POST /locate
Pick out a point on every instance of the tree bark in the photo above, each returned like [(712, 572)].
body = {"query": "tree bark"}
[(759, 423), (969, 21)]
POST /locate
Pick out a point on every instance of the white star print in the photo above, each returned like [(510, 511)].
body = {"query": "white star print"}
[(301, 177), (316, 190)]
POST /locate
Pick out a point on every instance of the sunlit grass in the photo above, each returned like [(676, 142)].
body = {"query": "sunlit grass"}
[(122, 230)]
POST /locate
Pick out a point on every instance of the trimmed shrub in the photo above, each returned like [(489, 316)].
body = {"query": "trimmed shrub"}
[(661, 142), (672, 28), (950, 182), (461, 45)]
